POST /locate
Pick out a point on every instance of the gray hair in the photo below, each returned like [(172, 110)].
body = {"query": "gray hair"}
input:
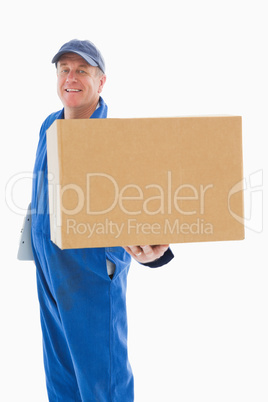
[(99, 71)]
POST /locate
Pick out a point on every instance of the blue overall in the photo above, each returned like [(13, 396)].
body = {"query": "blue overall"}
[(83, 311)]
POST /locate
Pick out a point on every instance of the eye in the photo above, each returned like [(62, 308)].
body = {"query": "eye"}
[(82, 72)]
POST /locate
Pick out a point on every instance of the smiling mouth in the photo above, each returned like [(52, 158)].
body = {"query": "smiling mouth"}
[(72, 90)]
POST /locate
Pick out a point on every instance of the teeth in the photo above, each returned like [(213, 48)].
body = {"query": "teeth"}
[(73, 90)]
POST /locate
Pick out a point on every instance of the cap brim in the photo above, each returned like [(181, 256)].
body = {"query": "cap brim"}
[(88, 59)]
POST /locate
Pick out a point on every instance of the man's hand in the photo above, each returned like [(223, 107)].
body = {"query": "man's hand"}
[(145, 254)]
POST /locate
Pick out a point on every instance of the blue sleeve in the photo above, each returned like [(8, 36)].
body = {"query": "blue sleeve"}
[(167, 257)]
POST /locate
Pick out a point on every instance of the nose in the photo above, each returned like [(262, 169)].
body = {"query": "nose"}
[(71, 76)]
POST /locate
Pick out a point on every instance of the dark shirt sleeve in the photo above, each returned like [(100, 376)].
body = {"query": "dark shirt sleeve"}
[(167, 257)]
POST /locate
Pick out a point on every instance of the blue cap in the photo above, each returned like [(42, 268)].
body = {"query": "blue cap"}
[(85, 49)]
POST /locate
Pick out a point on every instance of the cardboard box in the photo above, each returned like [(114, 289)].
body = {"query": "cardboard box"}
[(116, 182)]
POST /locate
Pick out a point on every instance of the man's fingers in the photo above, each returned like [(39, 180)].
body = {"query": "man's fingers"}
[(148, 250), (134, 250), (146, 253), (160, 249)]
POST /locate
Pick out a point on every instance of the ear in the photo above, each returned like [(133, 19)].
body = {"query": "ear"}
[(101, 83)]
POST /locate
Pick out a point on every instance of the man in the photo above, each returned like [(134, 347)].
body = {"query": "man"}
[(82, 291)]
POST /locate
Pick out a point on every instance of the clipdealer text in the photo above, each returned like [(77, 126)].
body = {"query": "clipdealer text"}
[(131, 199)]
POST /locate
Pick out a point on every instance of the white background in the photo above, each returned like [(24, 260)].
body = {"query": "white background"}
[(198, 328)]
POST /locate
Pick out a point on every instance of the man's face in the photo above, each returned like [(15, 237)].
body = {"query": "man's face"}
[(79, 84)]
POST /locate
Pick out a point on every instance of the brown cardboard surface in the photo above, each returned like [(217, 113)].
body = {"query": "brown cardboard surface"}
[(117, 182)]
